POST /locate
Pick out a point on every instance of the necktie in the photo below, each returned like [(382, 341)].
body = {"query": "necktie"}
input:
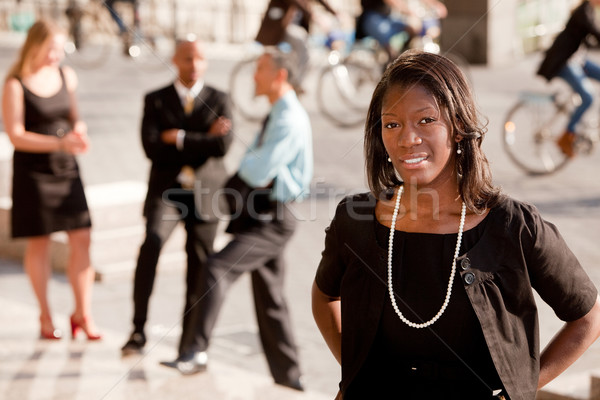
[(187, 175), (261, 135), (189, 103)]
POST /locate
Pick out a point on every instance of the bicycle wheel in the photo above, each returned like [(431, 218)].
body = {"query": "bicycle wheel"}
[(89, 41), (241, 91), (345, 91), (531, 130)]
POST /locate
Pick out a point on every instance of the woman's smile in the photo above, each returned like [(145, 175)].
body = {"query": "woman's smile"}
[(416, 135)]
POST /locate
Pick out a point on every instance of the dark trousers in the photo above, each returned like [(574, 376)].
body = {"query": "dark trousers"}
[(160, 223), (258, 250)]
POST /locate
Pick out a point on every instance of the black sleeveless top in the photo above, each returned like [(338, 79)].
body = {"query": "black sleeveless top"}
[(47, 190), (401, 358)]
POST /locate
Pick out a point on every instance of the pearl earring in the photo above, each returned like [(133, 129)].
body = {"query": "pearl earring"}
[(389, 159), (458, 149)]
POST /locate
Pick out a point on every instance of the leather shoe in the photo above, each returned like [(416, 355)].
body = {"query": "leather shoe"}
[(135, 344), (566, 143), (189, 363), (295, 384)]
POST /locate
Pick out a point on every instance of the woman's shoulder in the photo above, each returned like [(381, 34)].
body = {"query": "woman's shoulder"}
[(515, 211), (358, 204), (13, 83), (70, 77)]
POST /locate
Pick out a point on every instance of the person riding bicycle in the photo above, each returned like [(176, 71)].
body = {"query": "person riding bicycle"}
[(288, 21), (561, 60), (74, 12), (123, 31), (379, 19)]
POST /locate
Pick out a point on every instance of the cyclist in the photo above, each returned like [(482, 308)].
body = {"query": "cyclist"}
[(379, 20), (74, 12), (288, 21), (123, 32), (561, 60)]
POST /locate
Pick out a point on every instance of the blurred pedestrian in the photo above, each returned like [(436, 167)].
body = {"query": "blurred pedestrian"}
[(110, 5), (274, 173), (41, 117), (384, 19), (562, 60), (288, 21), (126, 36), (425, 285), (186, 130)]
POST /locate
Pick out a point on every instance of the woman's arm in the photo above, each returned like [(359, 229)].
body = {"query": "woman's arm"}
[(328, 316), (13, 112), (569, 344), (79, 127)]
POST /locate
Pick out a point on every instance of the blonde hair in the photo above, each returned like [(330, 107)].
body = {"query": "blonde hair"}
[(38, 34)]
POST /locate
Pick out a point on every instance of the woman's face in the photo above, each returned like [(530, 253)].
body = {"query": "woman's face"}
[(417, 136), (51, 52)]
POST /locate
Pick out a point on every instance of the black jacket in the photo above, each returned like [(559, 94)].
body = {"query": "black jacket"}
[(580, 25), (517, 252), (163, 110)]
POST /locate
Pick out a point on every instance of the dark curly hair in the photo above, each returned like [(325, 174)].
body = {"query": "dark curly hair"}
[(446, 82)]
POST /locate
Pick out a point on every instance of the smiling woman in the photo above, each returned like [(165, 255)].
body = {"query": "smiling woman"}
[(435, 268), (41, 118), (417, 137)]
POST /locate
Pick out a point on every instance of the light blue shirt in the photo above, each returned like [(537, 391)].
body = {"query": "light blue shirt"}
[(286, 153)]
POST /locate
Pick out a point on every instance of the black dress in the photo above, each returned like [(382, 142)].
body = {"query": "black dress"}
[(47, 192)]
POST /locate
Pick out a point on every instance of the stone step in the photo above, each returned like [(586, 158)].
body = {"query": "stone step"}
[(173, 261), (114, 252), (116, 205), (6, 151), (117, 233)]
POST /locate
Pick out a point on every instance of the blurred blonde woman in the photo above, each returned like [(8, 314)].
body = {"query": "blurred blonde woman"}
[(41, 118)]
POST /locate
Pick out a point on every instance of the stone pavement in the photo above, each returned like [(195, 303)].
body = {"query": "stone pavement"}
[(77, 369), (111, 103)]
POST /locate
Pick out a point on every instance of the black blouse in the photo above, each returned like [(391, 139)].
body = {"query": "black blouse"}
[(437, 359)]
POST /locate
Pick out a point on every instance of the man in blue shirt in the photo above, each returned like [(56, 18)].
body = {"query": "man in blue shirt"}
[(277, 168)]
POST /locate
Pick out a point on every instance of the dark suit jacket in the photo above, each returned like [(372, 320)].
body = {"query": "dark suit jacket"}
[(278, 16), (163, 110)]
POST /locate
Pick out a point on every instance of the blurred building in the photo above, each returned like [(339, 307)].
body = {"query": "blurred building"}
[(491, 32), (497, 32)]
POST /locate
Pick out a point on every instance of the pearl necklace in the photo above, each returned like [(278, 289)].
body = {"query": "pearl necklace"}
[(390, 249)]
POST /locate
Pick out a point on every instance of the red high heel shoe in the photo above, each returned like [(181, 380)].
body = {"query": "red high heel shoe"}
[(76, 325), (52, 334)]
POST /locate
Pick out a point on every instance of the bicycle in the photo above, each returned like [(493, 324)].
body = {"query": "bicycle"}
[(353, 84), (150, 41), (347, 80), (241, 89), (353, 77), (346, 84), (533, 125)]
